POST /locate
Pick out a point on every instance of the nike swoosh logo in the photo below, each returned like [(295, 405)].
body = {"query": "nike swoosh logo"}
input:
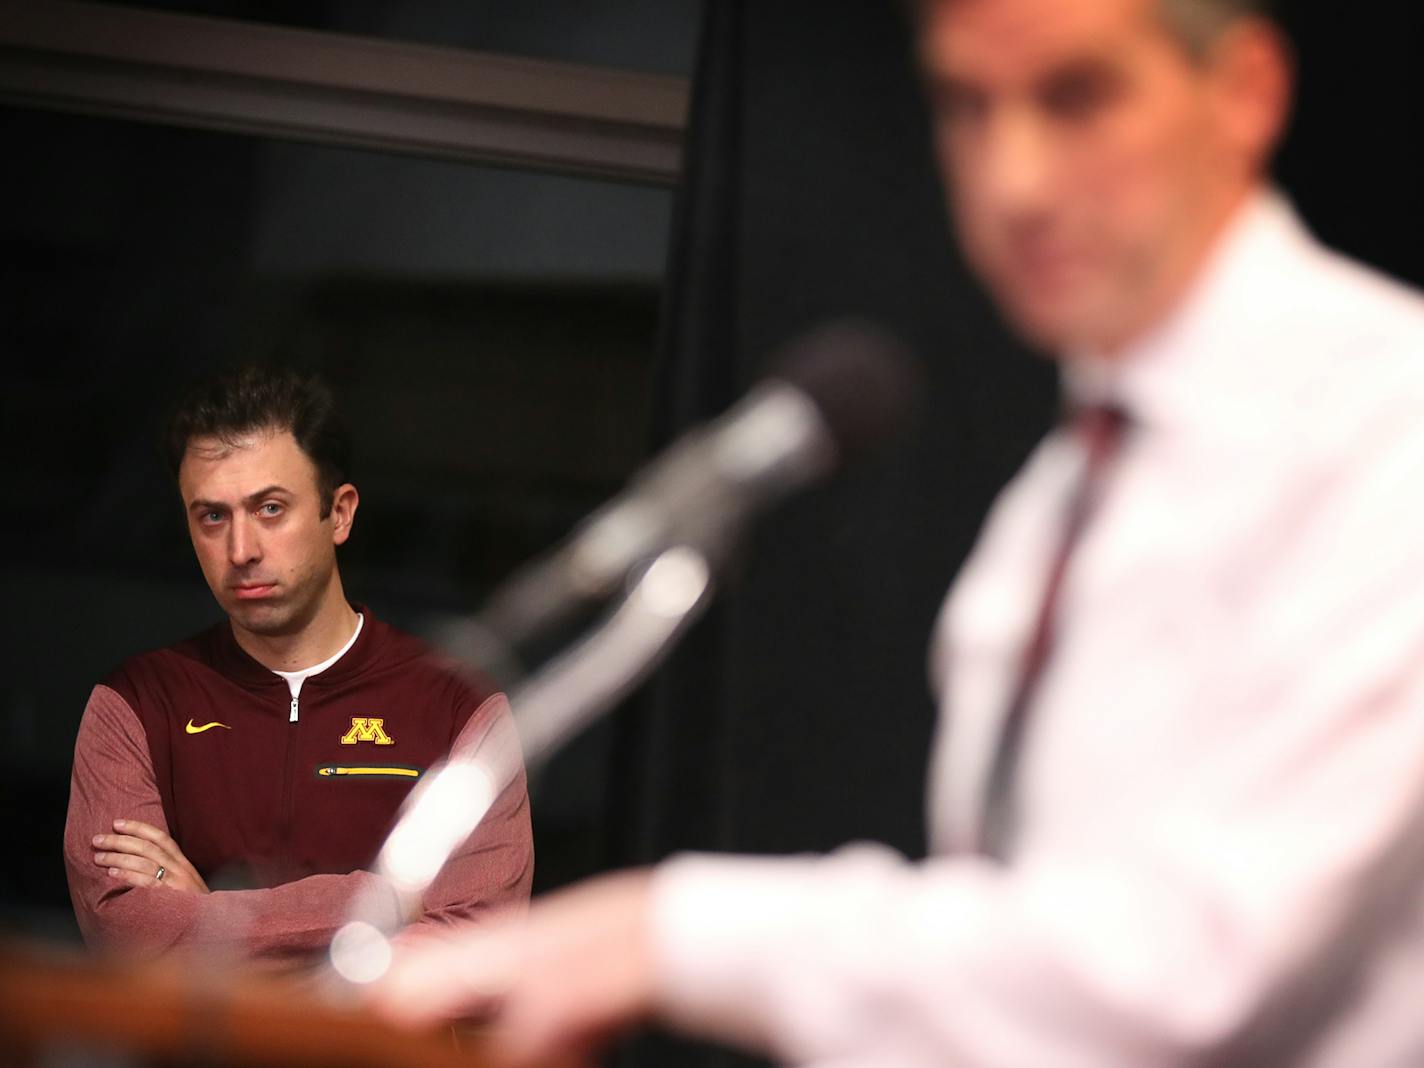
[(205, 727)]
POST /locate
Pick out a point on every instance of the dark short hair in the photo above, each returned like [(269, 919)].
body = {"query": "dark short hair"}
[(1196, 23), (255, 398)]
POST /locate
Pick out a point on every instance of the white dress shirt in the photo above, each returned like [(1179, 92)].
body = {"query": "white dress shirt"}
[(1221, 790)]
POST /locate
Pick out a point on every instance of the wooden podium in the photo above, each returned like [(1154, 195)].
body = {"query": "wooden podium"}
[(55, 1000)]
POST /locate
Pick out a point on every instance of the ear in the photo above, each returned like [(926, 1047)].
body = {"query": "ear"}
[(343, 512), (1253, 72)]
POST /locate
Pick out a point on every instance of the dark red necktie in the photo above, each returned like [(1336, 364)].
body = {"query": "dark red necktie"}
[(1099, 430)]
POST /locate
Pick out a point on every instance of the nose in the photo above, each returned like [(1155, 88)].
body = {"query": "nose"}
[(1015, 162), (243, 543)]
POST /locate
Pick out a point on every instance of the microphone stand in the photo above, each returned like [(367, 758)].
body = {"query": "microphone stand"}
[(562, 698), (840, 387)]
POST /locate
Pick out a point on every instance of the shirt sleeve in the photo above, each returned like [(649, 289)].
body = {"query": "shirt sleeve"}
[(1243, 896), (113, 776), (494, 869)]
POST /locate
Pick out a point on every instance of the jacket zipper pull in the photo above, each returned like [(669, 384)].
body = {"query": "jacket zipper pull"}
[(293, 717)]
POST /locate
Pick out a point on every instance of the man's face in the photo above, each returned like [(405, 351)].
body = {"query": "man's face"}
[(254, 516), (1090, 159)]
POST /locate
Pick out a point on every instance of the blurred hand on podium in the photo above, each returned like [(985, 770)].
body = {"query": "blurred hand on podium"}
[(550, 987)]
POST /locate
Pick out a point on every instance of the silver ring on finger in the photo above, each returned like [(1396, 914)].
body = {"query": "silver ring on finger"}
[(159, 874)]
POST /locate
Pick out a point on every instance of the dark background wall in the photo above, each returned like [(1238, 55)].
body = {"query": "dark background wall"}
[(491, 332), (510, 347)]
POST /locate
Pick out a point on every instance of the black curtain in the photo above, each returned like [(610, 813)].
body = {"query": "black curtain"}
[(796, 716)]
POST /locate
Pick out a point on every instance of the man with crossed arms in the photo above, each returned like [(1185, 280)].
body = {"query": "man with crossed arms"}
[(273, 750)]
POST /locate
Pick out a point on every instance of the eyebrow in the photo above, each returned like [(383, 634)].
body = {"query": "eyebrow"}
[(202, 505), (1089, 63)]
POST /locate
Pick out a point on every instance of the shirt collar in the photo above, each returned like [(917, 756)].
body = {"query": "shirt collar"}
[(1199, 361)]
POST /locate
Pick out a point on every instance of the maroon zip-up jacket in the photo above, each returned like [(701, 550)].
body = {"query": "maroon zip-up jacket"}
[(200, 739)]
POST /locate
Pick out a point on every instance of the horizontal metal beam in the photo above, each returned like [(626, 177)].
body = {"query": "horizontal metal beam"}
[(272, 81)]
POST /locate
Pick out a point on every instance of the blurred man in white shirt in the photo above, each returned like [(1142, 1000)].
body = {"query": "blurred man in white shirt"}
[(1218, 788)]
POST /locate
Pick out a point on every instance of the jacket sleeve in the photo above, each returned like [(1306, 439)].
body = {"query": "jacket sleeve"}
[(494, 869), (113, 777)]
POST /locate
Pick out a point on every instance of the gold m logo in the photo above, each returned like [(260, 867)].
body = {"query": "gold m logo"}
[(366, 730)]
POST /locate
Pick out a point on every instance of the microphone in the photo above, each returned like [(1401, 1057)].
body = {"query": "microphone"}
[(829, 396)]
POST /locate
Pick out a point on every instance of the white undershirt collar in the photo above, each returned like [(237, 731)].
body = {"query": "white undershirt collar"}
[(296, 678)]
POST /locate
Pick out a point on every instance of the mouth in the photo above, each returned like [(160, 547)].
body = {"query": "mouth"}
[(1045, 263), (1044, 254), (254, 591)]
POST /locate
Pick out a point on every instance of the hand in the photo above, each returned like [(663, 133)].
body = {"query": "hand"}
[(137, 852), (555, 985)]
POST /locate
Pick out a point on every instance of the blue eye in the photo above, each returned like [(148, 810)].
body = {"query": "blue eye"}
[(271, 508)]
